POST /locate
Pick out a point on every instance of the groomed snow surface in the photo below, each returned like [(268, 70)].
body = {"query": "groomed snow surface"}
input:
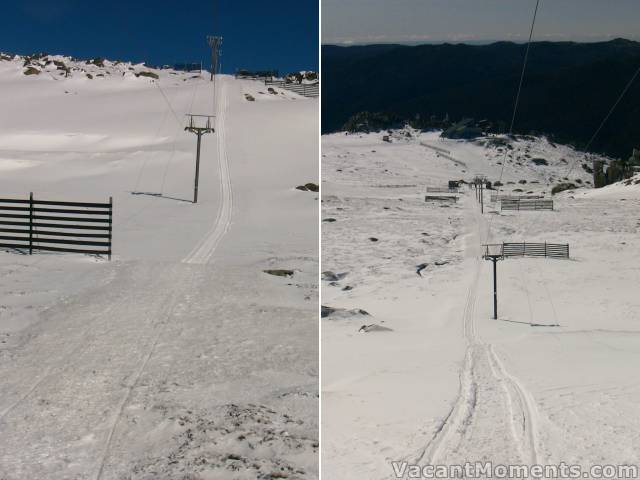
[(180, 358), (553, 379)]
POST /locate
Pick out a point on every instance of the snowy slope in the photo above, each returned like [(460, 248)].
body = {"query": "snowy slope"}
[(623, 190), (442, 383), (179, 358)]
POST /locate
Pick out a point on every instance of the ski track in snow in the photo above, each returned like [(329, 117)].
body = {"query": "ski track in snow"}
[(200, 255), (61, 365), (203, 252), (164, 318), (492, 405), (89, 341), (49, 371)]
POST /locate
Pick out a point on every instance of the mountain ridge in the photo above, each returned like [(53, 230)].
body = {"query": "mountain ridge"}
[(568, 89)]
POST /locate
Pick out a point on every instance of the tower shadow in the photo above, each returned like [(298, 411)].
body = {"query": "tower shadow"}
[(160, 195)]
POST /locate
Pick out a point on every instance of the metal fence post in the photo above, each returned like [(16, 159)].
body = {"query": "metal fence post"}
[(30, 223), (495, 288), (110, 224)]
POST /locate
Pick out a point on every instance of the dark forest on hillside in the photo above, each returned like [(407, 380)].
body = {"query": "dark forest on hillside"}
[(568, 89)]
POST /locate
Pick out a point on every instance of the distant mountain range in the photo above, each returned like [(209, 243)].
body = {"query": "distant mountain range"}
[(568, 88)]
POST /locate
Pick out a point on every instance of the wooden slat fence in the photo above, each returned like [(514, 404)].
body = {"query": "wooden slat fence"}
[(55, 226), (442, 190), (440, 198), (241, 76), (444, 153), (496, 197), (526, 204), (256, 75), (304, 89), (550, 250)]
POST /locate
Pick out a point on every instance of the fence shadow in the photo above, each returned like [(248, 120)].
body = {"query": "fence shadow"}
[(44, 253)]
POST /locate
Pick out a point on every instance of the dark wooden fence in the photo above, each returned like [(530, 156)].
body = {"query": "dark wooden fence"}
[(496, 197), (242, 76), (442, 190), (304, 89), (73, 227), (440, 198), (526, 204), (551, 250), (255, 74)]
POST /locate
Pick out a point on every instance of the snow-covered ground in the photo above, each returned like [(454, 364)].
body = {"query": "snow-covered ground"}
[(438, 381), (180, 358)]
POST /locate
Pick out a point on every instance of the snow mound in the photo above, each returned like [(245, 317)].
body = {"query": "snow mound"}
[(629, 188)]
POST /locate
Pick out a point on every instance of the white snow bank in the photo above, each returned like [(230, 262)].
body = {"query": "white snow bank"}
[(628, 189)]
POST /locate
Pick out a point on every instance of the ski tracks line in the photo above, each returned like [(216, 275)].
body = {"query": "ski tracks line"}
[(165, 318), (62, 364), (523, 424), (466, 400), (203, 252), (530, 415)]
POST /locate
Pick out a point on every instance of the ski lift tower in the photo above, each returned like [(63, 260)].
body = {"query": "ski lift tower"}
[(480, 181), (198, 124), (214, 43), (494, 252)]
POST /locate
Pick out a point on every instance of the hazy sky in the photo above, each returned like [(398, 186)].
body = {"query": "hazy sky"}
[(423, 21)]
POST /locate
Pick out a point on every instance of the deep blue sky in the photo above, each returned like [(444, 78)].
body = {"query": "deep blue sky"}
[(257, 34), (427, 21)]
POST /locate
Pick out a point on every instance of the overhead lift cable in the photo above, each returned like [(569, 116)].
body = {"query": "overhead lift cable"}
[(146, 159), (515, 106), (168, 108), (606, 118), (173, 146), (586, 149), (504, 159)]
